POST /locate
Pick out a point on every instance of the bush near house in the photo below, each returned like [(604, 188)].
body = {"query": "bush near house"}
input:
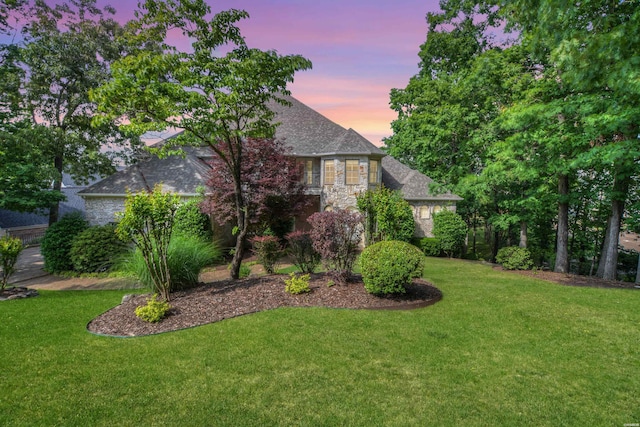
[(301, 250), (336, 236), (189, 219), (389, 266), (268, 251), (430, 246), (514, 258), (58, 240), (387, 215), (451, 230), (96, 248)]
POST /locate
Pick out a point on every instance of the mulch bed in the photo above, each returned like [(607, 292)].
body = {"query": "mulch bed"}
[(225, 299)]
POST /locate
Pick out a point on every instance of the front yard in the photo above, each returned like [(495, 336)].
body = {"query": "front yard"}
[(499, 349)]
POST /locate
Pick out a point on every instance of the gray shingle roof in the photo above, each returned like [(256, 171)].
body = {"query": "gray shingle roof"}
[(413, 184), (176, 174), (310, 134)]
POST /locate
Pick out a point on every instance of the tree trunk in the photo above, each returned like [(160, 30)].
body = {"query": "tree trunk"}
[(54, 210), (562, 242), (608, 266), (523, 234), (496, 245)]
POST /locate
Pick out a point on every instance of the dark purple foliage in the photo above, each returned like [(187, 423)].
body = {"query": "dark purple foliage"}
[(336, 236)]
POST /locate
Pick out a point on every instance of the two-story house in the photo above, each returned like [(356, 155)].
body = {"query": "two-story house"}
[(338, 164)]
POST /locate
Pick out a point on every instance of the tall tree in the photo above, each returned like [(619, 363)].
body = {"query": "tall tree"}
[(68, 50), (219, 99), (272, 184)]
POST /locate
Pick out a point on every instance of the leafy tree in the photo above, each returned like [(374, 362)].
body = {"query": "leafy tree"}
[(68, 51), (387, 215), (451, 230), (219, 99), (147, 221), (272, 188)]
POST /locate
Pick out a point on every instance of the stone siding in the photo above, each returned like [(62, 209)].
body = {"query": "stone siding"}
[(340, 195), (102, 210), (424, 226)]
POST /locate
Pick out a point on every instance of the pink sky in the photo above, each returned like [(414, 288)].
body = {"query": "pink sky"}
[(360, 50)]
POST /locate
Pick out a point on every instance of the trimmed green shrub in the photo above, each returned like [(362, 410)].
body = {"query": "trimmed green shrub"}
[(451, 230), (268, 251), (96, 249), (10, 249), (387, 215), (58, 240), (430, 246), (389, 266), (190, 220), (186, 256), (297, 284), (301, 251), (154, 311), (514, 258)]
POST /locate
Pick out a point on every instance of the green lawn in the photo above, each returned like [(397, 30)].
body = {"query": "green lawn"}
[(499, 349)]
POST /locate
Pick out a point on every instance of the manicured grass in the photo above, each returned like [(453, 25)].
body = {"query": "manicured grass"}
[(499, 349)]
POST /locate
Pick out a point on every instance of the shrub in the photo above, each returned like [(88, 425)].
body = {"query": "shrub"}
[(10, 249), (268, 251), (336, 236), (301, 250), (190, 220), (430, 246), (389, 266), (154, 311), (514, 258), (297, 284), (96, 248), (58, 240), (451, 230), (388, 216), (147, 221), (186, 257)]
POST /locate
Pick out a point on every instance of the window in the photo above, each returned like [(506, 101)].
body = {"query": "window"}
[(329, 172), (436, 209), (425, 212), (308, 172), (351, 172), (373, 171)]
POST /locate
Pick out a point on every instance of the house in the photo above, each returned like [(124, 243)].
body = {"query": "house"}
[(338, 164)]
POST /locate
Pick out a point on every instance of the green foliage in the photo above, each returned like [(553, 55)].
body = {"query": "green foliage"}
[(514, 258), (186, 257), (58, 240), (389, 266), (95, 249), (450, 229), (154, 311), (268, 251), (430, 246), (10, 249), (220, 100), (147, 221), (387, 215), (300, 248), (190, 220), (297, 284)]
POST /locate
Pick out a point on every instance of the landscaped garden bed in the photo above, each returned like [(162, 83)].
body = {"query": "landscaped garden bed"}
[(220, 300)]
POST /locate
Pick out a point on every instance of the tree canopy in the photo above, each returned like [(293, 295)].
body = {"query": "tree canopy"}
[(217, 91)]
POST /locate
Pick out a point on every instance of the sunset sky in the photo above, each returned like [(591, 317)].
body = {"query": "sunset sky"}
[(360, 50)]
